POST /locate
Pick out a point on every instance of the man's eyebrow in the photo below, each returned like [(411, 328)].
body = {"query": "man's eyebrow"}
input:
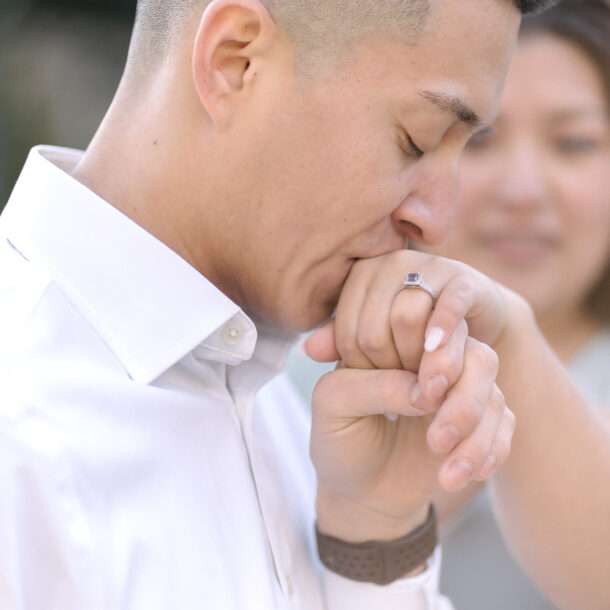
[(453, 104)]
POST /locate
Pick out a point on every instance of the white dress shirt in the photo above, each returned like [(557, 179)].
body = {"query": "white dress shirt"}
[(147, 460)]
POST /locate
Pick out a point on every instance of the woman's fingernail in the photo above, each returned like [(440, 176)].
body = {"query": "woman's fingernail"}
[(437, 386), (391, 416), (460, 472), (446, 438), (487, 469), (433, 338), (301, 347)]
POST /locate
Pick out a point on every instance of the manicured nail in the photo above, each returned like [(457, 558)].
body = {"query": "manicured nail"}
[(437, 386), (391, 416), (433, 338), (301, 347), (487, 469), (460, 472), (446, 438)]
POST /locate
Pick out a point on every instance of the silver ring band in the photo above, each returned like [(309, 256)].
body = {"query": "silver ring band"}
[(414, 279)]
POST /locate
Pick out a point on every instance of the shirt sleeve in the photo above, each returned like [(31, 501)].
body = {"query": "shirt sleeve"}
[(418, 593)]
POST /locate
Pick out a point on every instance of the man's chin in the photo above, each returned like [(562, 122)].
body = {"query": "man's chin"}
[(297, 311), (309, 318)]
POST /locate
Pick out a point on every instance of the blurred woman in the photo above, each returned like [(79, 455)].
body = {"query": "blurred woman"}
[(534, 214)]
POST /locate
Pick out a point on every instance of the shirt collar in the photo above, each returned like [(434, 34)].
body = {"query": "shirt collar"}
[(147, 303)]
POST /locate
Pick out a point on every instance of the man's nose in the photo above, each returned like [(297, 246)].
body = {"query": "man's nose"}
[(427, 212)]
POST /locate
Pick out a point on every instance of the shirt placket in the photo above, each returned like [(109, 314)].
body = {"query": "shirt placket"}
[(244, 398)]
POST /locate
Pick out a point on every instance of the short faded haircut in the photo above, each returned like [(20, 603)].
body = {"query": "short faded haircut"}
[(315, 27)]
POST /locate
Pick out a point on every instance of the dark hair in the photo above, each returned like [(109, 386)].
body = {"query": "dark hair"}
[(533, 6), (585, 23)]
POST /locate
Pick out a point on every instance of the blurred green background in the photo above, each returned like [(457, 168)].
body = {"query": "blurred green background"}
[(60, 62)]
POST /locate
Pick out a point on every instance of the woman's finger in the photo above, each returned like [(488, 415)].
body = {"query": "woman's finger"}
[(321, 345), (470, 296), (441, 369), (409, 315), (471, 455), (500, 449), (347, 318), (467, 400)]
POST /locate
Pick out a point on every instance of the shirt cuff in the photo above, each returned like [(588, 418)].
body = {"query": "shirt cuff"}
[(416, 593)]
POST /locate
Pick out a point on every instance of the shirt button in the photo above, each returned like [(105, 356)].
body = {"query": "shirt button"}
[(232, 334), (289, 588)]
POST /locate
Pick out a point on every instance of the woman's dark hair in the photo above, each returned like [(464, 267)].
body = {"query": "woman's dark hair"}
[(585, 23)]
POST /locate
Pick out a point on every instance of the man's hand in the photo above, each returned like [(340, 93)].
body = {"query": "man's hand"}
[(445, 417)]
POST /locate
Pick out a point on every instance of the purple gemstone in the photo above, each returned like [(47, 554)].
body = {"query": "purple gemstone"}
[(412, 277)]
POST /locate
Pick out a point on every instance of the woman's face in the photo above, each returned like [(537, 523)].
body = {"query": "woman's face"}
[(534, 208)]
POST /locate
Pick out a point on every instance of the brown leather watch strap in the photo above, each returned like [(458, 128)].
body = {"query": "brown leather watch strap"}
[(380, 562)]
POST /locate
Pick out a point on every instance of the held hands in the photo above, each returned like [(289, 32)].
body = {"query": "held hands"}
[(414, 399)]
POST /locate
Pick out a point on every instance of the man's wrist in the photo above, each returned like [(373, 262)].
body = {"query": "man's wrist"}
[(354, 521), (381, 562)]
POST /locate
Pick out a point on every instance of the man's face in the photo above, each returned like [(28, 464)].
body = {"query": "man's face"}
[(329, 169)]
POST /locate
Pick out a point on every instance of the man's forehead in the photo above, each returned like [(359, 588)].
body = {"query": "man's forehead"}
[(458, 66), (468, 52)]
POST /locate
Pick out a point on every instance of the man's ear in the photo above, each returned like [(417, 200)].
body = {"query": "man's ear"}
[(232, 38)]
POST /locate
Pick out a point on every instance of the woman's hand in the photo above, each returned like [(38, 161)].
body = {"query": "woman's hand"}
[(445, 417)]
